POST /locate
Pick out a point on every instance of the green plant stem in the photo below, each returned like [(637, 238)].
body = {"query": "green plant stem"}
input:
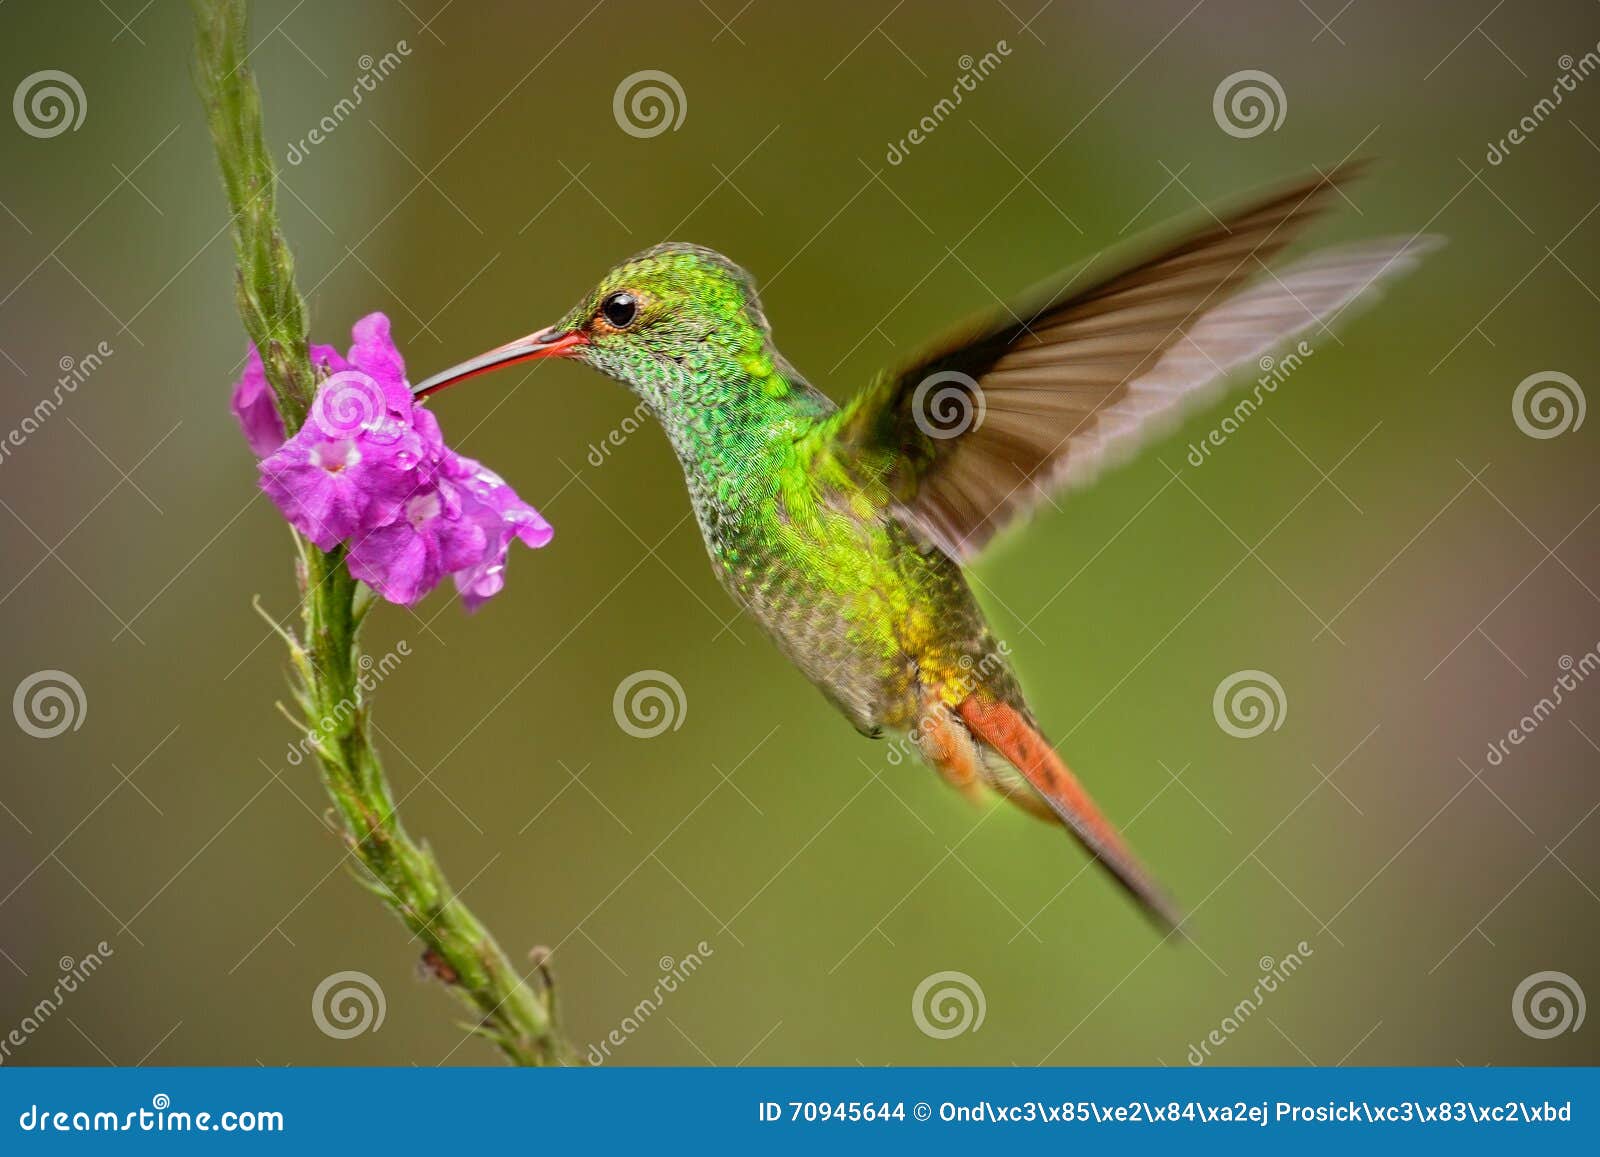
[(325, 653)]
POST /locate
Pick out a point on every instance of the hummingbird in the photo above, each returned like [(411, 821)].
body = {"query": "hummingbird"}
[(843, 529)]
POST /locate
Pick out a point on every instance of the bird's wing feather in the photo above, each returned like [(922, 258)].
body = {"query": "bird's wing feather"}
[(967, 437)]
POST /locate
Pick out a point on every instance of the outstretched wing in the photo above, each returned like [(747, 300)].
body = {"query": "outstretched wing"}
[(975, 432)]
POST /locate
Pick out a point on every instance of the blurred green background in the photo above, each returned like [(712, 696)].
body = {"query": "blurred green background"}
[(1381, 538)]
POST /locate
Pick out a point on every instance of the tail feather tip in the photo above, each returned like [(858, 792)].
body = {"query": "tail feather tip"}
[(1007, 730)]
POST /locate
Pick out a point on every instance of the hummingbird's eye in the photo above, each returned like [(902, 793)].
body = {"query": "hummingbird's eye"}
[(620, 309)]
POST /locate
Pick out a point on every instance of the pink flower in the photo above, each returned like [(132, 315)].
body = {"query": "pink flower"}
[(369, 469), (504, 517), (405, 559), (255, 409)]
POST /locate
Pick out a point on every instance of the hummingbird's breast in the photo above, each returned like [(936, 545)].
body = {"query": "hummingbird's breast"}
[(840, 584)]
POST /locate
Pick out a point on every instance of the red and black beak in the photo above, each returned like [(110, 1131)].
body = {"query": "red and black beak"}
[(546, 343)]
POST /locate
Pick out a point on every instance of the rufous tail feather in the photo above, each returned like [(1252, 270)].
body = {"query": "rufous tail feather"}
[(1008, 731)]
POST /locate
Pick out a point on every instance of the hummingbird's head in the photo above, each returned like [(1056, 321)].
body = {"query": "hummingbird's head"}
[(673, 323)]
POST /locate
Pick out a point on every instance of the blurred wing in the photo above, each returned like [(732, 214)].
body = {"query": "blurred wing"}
[(970, 436)]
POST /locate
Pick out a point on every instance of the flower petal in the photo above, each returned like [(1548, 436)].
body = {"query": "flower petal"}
[(256, 409), (373, 352), (371, 470), (395, 561)]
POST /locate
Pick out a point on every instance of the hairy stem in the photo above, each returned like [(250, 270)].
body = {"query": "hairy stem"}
[(325, 653)]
